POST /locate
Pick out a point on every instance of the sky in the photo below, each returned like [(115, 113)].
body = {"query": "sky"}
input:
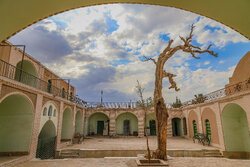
[(102, 48)]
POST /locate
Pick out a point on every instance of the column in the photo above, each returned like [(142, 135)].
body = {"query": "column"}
[(112, 117), (36, 126), (59, 126)]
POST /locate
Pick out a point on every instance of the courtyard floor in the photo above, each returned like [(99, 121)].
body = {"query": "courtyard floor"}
[(134, 143), (128, 162)]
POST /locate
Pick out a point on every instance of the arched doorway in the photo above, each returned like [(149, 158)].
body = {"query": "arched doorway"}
[(28, 74), (78, 123), (150, 124), (126, 124), (235, 128), (67, 125), (98, 124), (16, 124), (193, 124), (209, 125), (46, 141), (176, 127)]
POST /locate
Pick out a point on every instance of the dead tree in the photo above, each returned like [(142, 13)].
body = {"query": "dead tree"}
[(159, 104)]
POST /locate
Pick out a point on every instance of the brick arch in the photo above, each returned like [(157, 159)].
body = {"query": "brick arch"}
[(100, 112), (221, 14), (22, 94), (192, 116), (208, 114), (126, 111)]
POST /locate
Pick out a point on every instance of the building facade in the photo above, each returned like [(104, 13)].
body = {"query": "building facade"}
[(39, 111), (37, 108)]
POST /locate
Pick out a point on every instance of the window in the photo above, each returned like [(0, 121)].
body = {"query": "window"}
[(63, 93), (54, 113), (208, 129), (195, 128), (45, 111), (49, 85), (50, 110)]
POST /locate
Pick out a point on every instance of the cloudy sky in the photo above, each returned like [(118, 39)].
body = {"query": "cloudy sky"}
[(101, 48)]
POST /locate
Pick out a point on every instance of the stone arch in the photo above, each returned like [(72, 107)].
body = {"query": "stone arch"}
[(78, 122), (16, 118), (28, 75), (235, 128), (46, 141), (208, 114), (221, 14), (98, 123), (21, 94), (67, 125), (176, 126), (192, 116), (51, 107), (126, 124)]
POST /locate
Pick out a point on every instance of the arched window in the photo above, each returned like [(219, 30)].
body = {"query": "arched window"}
[(208, 129), (63, 93), (54, 113), (195, 128), (49, 85), (45, 111), (50, 110)]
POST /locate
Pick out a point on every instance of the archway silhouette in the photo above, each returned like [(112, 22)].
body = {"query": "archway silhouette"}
[(126, 124), (67, 125), (235, 128), (30, 12), (78, 123), (46, 141), (16, 119), (97, 123)]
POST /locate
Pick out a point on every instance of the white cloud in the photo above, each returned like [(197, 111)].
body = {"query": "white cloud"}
[(206, 62), (139, 28)]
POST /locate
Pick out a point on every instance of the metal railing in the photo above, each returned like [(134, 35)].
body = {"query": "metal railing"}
[(9, 71), (112, 104), (229, 90)]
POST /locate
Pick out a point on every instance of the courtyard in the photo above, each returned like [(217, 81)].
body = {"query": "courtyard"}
[(136, 143)]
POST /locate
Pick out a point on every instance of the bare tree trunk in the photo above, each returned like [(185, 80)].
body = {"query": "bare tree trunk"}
[(159, 104)]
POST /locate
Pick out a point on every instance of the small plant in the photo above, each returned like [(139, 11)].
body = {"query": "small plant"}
[(177, 103), (200, 98)]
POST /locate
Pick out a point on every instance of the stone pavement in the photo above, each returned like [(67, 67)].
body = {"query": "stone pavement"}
[(130, 162), (135, 143)]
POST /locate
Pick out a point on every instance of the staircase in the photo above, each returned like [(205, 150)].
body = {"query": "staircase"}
[(69, 154), (212, 153)]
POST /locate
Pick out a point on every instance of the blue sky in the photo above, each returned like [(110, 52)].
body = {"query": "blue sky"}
[(101, 48)]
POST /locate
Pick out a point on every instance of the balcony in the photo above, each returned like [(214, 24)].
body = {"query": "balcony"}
[(9, 71)]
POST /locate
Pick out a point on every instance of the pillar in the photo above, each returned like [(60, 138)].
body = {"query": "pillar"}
[(36, 125)]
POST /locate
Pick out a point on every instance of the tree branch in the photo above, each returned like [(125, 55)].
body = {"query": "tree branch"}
[(171, 80), (147, 59)]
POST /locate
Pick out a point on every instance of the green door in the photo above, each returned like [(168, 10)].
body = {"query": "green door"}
[(46, 148), (208, 129), (126, 127), (152, 127), (100, 127), (195, 128)]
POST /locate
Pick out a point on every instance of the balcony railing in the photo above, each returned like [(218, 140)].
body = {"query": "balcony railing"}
[(112, 105), (229, 90), (9, 71)]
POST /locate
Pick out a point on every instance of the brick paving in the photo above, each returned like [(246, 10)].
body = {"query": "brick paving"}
[(126, 162), (134, 143)]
